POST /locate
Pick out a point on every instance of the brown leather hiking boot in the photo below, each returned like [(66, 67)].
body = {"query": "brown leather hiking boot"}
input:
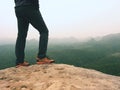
[(22, 64), (45, 60)]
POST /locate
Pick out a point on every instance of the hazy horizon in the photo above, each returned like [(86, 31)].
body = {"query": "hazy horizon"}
[(4, 41), (67, 18)]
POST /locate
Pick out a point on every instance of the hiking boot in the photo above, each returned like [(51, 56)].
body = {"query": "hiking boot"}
[(45, 60), (22, 64)]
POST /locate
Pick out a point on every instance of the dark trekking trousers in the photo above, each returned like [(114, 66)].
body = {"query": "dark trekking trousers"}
[(29, 15)]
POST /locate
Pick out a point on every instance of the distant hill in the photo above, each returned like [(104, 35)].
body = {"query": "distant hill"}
[(102, 54), (111, 37), (4, 41)]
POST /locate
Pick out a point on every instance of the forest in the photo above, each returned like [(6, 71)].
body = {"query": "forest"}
[(99, 54)]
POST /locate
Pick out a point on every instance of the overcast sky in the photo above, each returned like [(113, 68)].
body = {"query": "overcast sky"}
[(67, 18)]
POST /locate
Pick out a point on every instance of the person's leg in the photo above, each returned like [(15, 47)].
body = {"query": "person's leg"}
[(37, 21), (21, 38)]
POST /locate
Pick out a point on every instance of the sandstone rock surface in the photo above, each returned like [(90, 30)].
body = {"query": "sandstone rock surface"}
[(56, 77)]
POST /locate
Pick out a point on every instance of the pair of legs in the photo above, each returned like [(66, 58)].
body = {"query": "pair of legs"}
[(29, 15)]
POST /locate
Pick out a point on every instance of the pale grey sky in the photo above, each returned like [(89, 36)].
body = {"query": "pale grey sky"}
[(67, 18)]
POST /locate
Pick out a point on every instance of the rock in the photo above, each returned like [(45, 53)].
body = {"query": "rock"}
[(56, 77)]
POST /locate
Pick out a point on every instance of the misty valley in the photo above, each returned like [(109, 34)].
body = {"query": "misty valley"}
[(102, 55)]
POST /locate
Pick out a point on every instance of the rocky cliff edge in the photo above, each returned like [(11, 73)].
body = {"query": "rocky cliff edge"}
[(56, 77)]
